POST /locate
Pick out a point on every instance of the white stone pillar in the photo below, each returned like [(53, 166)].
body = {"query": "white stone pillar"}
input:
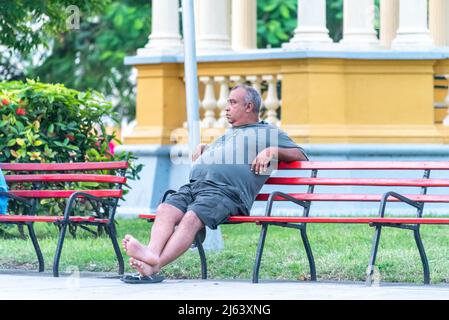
[(244, 24), (358, 24), (165, 37), (413, 32), (389, 21), (213, 25), (311, 30), (439, 22)]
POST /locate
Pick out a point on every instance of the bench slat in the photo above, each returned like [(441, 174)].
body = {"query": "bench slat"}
[(65, 178), (353, 197), (75, 166), (365, 165), (359, 182), (20, 218), (43, 194), (290, 219)]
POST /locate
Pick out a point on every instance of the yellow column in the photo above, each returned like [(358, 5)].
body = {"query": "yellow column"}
[(160, 105)]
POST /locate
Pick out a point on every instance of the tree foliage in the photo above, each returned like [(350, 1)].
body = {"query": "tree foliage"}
[(25, 24), (92, 57)]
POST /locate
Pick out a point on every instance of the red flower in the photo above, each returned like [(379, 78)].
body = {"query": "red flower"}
[(5, 102), (111, 148), (71, 137), (21, 111)]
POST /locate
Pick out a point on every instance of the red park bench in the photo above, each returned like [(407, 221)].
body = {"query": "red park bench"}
[(305, 200), (36, 181)]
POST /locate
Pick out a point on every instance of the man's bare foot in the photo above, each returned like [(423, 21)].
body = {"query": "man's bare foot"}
[(143, 268), (135, 249)]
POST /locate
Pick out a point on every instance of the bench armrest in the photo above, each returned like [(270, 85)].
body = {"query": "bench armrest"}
[(80, 194), (398, 196), (286, 196)]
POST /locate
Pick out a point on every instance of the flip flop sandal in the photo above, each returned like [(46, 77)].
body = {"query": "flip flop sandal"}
[(138, 278)]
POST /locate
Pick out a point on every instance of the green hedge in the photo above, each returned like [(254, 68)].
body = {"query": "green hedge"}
[(48, 123)]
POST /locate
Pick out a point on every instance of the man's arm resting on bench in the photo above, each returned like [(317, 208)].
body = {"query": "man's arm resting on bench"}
[(262, 160)]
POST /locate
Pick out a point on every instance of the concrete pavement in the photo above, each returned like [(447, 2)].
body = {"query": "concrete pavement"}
[(28, 285)]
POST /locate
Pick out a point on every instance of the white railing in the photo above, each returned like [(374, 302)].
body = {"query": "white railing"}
[(214, 105), (404, 25)]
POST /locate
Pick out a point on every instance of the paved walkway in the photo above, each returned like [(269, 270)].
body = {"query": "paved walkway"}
[(26, 285)]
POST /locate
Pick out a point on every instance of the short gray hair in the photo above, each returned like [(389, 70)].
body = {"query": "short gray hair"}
[(251, 95)]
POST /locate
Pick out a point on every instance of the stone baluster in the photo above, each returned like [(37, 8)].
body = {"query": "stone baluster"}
[(222, 122), (271, 102), (209, 103), (256, 83), (446, 101), (237, 80), (279, 78)]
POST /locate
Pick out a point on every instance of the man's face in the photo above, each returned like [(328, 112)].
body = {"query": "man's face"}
[(236, 108)]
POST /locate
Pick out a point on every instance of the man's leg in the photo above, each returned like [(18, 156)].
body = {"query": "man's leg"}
[(182, 238), (167, 217), (179, 242)]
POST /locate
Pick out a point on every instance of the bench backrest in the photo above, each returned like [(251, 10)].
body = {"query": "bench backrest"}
[(391, 179), (38, 180)]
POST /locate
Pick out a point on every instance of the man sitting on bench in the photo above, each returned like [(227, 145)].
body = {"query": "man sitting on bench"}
[(224, 180)]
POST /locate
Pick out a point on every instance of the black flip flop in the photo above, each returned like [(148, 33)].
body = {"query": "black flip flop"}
[(138, 278)]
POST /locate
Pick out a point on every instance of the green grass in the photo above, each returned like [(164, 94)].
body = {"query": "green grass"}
[(341, 252)]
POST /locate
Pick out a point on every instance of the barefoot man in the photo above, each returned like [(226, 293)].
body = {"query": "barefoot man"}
[(224, 180)]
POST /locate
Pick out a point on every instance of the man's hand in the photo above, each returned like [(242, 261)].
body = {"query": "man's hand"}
[(262, 160), (199, 151)]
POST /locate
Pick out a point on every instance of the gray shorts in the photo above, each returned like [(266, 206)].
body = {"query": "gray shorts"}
[(212, 204)]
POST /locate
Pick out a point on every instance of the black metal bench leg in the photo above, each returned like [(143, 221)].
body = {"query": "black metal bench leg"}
[(372, 261), (423, 256), (199, 245), (263, 235), (59, 249), (110, 229), (37, 248), (305, 240)]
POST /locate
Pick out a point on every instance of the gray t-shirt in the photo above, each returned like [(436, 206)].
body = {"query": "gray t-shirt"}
[(226, 162)]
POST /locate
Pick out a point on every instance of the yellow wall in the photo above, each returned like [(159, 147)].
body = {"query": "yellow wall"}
[(323, 100)]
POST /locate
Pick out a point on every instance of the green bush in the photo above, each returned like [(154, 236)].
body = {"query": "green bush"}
[(50, 123)]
